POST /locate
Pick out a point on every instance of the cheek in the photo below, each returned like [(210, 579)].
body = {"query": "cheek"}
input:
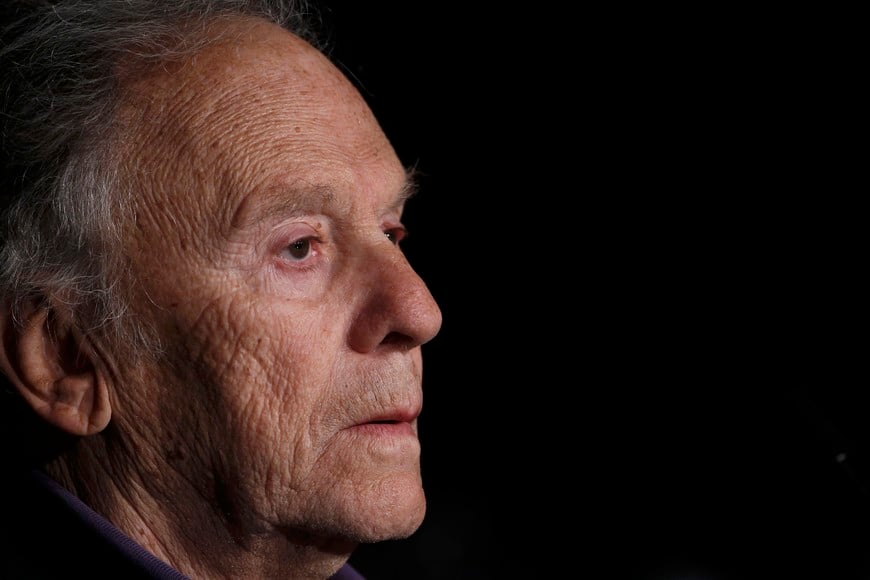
[(269, 374)]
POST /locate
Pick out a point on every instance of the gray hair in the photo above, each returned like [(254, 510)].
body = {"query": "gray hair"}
[(60, 197)]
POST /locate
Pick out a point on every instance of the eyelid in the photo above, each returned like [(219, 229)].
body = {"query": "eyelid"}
[(391, 225), (296, 232), (396, 234)]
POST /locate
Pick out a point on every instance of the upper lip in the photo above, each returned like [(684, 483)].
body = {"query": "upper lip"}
[(405, 412)]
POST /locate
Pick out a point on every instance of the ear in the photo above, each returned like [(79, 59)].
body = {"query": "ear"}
[(52, 366)]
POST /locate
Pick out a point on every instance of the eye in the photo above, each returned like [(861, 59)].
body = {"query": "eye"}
[(396, 235), (300, 249)]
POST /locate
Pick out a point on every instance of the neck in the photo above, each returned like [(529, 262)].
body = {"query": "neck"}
[(185, 524)]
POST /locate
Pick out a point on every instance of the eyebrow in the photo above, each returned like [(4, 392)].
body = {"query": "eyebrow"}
[(410, 187), (297, 200)]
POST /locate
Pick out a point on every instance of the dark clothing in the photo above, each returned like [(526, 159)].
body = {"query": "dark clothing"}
[(46, 533)]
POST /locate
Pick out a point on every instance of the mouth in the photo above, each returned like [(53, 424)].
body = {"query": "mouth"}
[(394, 416), (390, 428), (392, 422)]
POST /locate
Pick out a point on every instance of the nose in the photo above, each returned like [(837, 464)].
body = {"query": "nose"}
[(398, 310)]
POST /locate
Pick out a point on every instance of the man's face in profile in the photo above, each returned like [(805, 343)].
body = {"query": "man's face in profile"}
[(268, 210)]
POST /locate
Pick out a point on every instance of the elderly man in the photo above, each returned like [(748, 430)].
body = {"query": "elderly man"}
[(212, 341)]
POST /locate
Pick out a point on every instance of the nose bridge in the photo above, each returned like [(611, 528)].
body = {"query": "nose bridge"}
[(397, 271)]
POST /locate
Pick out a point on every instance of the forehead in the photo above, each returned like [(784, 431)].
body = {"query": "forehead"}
[(257, 108)]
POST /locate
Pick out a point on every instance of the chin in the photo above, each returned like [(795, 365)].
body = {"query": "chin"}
[(391, 511)]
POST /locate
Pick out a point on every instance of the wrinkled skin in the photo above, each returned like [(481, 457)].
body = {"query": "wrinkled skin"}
[(279, 427)]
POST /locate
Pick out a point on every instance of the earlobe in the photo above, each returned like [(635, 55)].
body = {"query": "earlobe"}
[(52, 366)]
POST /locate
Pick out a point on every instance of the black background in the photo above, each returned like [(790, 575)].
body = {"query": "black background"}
[(648, 261)]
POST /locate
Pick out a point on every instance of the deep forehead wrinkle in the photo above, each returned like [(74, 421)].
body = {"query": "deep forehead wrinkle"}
[(283, 201)]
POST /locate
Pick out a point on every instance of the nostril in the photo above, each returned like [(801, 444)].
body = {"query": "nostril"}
[(396, 338)]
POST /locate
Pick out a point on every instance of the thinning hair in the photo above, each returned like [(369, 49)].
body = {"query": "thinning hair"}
[(61, 197)]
